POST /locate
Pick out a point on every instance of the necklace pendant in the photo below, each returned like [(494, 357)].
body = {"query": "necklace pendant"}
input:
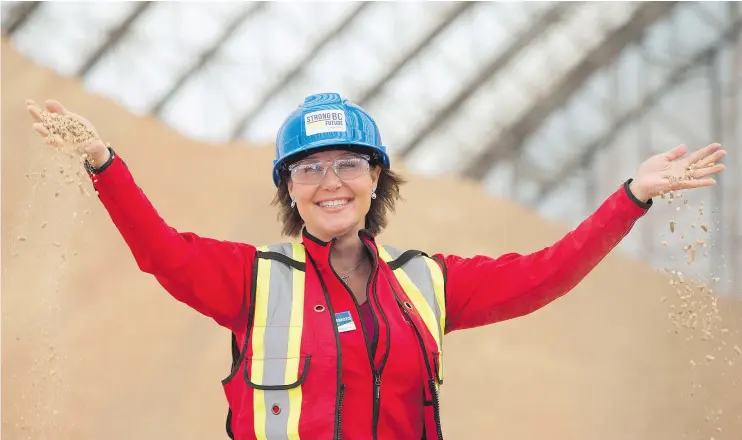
[(345, 278)]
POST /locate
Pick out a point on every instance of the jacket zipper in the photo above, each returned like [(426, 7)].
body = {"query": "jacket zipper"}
[(339, 353), (431, 377), (371, 349), (339, 415), (385, 356)]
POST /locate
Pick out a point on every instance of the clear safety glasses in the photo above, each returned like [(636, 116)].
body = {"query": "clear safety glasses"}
[(311, 172)]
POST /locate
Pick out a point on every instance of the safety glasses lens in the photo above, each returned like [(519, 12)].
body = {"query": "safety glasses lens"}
[(314, 172)]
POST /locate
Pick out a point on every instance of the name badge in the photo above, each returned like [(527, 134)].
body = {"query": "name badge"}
[(344, 322)]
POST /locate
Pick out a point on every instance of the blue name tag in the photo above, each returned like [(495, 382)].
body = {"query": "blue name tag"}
[(344, 321)]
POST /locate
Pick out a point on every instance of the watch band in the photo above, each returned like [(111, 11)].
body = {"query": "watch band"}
[(92, 170)]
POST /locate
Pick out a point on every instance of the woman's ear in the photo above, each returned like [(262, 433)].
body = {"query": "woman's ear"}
[(375, 173)]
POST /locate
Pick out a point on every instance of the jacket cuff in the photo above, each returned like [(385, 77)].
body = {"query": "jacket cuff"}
[(633, 198), (90, 169)]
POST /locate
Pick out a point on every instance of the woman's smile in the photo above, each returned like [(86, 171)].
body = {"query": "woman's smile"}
[(335, 204)]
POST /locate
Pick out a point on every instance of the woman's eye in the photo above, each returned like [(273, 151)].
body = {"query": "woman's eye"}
[(346, 164), (310, 169)]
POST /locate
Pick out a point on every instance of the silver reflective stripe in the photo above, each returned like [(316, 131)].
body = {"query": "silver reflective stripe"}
[(419, 273), (276, 343), (395, 253)]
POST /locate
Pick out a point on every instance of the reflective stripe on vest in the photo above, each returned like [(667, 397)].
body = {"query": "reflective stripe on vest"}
[(276, 341), (422, 280)]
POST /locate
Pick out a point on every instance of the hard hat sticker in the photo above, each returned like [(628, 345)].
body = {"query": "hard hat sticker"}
[(324, 121)]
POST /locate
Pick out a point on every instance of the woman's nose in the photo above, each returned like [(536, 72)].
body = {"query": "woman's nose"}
[(331, 179)]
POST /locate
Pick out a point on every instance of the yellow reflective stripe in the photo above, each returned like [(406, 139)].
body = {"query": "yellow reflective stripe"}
[(384, 254), (440, 297), (422, 306), (258, 349), (294, 349)]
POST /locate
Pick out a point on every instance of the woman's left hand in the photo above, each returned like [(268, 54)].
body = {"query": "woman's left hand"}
[(672, 171)]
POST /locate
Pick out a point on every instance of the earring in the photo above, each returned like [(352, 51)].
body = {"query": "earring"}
[(293, 203), (373, 193)]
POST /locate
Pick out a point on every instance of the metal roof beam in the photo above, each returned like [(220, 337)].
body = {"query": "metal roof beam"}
[(20, 16), (447, 20), (547, 186), (513, 137), (252, 113), (539, 26), (206, 56), (113, 38)]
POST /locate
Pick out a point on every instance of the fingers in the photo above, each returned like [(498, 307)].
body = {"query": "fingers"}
[(710, 159), (35, 113), (676, 153), (702, 153), (55, 107), (40, 129), (34, 110), (707, 171), (699, 183)]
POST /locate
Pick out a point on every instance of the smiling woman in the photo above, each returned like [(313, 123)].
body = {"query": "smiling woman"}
[(358, 171), (336, 336)]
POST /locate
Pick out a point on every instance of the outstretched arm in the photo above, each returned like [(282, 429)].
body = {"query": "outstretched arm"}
[(483, 290), (209, 275)]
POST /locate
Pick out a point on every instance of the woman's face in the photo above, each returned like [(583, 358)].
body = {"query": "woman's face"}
[(333, 206)]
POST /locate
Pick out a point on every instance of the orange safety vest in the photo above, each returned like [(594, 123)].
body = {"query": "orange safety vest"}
[(279, 371)]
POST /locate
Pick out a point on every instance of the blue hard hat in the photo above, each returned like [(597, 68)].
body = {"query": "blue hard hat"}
[(327, 121)]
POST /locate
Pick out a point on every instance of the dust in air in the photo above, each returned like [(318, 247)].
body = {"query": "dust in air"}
[(694, 309), (67, 136)]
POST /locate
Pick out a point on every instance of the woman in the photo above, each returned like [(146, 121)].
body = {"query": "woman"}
[(336, 336)]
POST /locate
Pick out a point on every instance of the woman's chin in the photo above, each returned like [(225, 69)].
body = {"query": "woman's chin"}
[(338, 227)]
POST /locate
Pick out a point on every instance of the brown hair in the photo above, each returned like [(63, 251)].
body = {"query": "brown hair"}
[(387, 194)]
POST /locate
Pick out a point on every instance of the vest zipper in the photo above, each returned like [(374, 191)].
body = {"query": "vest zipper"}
[(339, 354), (384, 357), (339, 415), (431, 377), (371, 348)]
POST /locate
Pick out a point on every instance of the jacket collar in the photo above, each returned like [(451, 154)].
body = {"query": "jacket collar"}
[(320, 250)]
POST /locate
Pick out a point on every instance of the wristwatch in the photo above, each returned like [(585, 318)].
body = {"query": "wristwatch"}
[(92, 170)]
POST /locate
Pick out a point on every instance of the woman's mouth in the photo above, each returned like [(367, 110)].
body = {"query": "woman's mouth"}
[(335, 204)]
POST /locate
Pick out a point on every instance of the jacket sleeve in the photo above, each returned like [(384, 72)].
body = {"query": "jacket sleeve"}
[(211, 276), (483, 290)]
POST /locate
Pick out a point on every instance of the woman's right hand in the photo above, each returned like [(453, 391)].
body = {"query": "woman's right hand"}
[(96, 151)]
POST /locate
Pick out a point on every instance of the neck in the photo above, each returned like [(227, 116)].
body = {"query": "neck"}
[(347, 251)]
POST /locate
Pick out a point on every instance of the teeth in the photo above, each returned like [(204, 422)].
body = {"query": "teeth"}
[(333, 203)]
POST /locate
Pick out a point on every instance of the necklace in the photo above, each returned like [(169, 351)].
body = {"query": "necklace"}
[(346, 276)]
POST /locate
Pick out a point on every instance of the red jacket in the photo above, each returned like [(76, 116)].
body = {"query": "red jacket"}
[(209, 275)]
